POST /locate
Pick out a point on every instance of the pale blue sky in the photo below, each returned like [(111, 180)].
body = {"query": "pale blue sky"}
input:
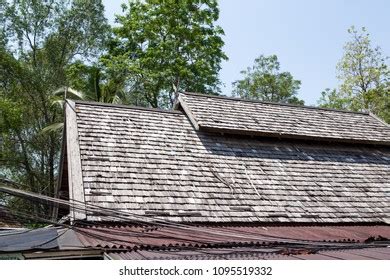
[(307, 36)]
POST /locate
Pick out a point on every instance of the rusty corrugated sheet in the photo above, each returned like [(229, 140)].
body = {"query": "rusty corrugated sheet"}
[(240, 253), (205, 253), (130, 237)]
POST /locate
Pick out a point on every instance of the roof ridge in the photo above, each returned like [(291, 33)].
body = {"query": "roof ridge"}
[(102, 104), (272, 103), (379, 119)]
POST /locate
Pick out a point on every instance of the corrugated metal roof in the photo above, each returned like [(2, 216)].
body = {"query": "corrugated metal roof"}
[(28, 239), (211, 236), (377, 253), (208, 242)]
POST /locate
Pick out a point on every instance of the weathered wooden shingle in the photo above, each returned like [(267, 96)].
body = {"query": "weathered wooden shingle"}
[(154, 163), (239, 116)]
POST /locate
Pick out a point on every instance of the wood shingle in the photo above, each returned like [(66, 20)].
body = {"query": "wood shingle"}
[(154, 162), (240, 116)]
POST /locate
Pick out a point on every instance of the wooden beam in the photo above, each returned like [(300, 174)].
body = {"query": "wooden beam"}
[(75, 176), (379, 119), (54, 212), (288, 136), (188, 112)]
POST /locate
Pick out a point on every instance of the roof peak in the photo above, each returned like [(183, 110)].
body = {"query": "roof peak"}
[(271, 103)]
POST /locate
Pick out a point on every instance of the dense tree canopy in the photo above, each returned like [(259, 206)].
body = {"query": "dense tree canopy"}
[(161, 47), (364, 77), (264, 81), (41, 41)]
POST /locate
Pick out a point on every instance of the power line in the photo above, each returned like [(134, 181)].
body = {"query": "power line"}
[(80, 206), (125, 216), (192, 249), (112, 240)]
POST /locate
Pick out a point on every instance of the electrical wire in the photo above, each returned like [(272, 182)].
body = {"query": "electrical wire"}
[(85, 207), (129, 217), (180, 225), (76, 229), (327, 244), (112, 240), (193, 249)]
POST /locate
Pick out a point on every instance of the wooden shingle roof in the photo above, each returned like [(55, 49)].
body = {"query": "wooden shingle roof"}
[(240, 116), (155, 163)]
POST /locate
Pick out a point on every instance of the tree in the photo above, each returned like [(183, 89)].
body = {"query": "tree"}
[(94, 84), (330, 98), (264, 81), (364, 77), (41, 39), (162, 47)]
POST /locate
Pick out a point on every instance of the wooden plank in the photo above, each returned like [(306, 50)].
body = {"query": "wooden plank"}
[(379, 119), (54, 210), (75, 176), (188, 112), (249, 132)]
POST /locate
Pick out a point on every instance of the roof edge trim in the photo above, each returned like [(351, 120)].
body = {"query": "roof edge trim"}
[(101, 104), (188, 112), (76, 186), (291, 136), (379, 119)]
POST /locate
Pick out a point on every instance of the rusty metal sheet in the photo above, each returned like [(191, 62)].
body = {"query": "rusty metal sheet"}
[(311, 257), (198, 254), (237, 253), (142, 237), (344, 255)]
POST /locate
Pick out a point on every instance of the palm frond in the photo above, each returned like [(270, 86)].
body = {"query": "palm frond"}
[(117, 100), (52, 128), (58, 102), (69, 92)]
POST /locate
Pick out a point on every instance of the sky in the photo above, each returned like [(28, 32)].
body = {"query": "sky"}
[(307, 36)]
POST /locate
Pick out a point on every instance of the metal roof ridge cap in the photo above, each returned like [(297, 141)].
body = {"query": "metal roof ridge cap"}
[(94, 103), (273, 103)]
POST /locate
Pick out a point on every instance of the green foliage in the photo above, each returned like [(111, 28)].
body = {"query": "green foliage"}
[(94, 84), (162, 45), (41, 40), (10, 115), (330, 98), (3, 35), (63, 29), (364, 77), (264, 81)]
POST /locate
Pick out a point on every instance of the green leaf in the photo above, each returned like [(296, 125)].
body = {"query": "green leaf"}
[(55, 127), (69, 93)]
